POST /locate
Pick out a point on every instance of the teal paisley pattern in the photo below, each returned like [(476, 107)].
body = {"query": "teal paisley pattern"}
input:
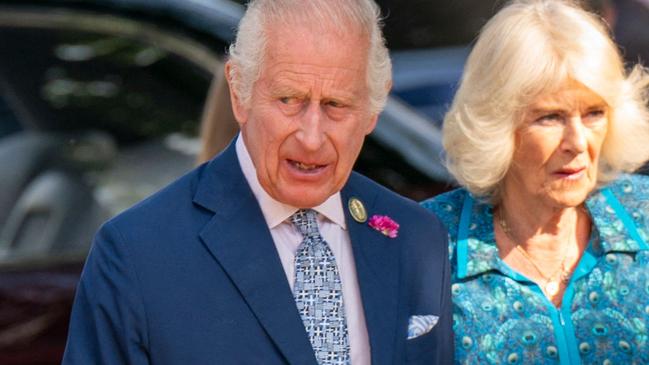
[(501, 317)]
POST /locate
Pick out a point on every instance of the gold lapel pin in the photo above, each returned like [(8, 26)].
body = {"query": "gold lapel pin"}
[(357, 209)]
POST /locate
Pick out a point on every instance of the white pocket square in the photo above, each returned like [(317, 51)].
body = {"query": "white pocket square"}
[(420, 325)]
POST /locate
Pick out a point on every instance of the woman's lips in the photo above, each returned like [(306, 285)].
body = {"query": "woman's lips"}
[(571, 173)]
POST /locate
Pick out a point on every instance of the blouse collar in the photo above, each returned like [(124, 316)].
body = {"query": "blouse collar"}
[(613, 231)]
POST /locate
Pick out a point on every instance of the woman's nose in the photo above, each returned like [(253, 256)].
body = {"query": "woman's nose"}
[(575, 135)]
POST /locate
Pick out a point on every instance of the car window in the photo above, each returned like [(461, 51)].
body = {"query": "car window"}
[(98, 118)]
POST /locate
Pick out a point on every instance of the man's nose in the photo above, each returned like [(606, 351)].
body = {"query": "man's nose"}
[(575, 136), (311, 133)]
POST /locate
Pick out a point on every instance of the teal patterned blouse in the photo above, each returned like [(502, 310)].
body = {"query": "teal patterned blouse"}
[(501, 317)]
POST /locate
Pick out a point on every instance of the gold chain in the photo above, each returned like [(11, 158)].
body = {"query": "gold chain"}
[(565, 276)]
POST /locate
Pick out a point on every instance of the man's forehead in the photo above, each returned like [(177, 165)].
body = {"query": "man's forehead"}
[(290, 82), (299, 72), (310, 49)]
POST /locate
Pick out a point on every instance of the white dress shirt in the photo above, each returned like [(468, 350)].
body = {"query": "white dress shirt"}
[(331, 222)]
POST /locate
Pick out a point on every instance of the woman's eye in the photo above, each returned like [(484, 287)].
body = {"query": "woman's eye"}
[(595, 117), (595, 113), (549, 118)]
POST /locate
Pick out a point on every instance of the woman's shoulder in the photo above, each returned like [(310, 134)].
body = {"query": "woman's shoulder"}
[(630, 186), (632, 192), (447, 207)]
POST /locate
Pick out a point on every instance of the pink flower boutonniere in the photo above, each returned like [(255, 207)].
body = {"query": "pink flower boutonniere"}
[(385, 225)]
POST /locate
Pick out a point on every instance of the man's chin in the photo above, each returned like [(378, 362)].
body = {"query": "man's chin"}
[(302, 202), (304, 198)]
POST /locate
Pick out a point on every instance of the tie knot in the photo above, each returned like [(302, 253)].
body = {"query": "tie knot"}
[(305, 220)]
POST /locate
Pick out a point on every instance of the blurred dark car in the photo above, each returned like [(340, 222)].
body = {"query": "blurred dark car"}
[(102, 103)]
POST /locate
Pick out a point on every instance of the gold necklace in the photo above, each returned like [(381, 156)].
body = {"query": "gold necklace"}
[(552, 282)]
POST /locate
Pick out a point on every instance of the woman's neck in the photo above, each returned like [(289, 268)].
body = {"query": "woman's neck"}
[(538, 228), (543, 243)]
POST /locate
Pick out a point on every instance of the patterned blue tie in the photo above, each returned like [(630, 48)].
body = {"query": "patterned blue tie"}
[(318, 293)]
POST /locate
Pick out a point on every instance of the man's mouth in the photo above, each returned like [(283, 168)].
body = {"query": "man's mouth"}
[(306, 167)]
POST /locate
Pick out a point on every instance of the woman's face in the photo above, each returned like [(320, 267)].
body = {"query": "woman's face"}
[(558, 147)]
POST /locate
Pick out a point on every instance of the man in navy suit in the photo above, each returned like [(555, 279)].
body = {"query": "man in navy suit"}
[(275, 252)]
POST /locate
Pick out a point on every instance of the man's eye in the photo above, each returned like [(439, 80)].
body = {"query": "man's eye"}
[(289, 100), (334, 104)]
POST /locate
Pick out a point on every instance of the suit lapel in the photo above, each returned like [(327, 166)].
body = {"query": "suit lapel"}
[(377, 267), (238, 237)]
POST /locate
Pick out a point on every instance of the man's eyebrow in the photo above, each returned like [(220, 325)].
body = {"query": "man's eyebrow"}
[(284, 90), (344, 98)]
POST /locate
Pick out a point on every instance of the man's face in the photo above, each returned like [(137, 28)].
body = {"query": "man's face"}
[(309, 113)]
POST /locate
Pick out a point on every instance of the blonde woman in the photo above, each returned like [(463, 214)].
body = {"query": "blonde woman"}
[(548, 235)]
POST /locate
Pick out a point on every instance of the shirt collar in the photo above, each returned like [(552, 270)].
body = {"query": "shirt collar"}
[(614, 222), (480, 254), (276, 212)]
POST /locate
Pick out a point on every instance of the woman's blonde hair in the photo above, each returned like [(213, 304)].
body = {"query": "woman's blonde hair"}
[(528, 48)]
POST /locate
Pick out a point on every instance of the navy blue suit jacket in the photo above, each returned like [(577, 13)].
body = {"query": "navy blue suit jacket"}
[(191, 276)]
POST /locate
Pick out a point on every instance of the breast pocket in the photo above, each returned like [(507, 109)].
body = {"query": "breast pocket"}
[(422, 349)]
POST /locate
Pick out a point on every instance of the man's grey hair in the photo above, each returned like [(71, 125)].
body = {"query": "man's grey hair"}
[(343, 16)]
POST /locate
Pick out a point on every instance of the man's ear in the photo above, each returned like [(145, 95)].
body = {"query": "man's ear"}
[(375, 117), (238, 109), (372, 124)]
